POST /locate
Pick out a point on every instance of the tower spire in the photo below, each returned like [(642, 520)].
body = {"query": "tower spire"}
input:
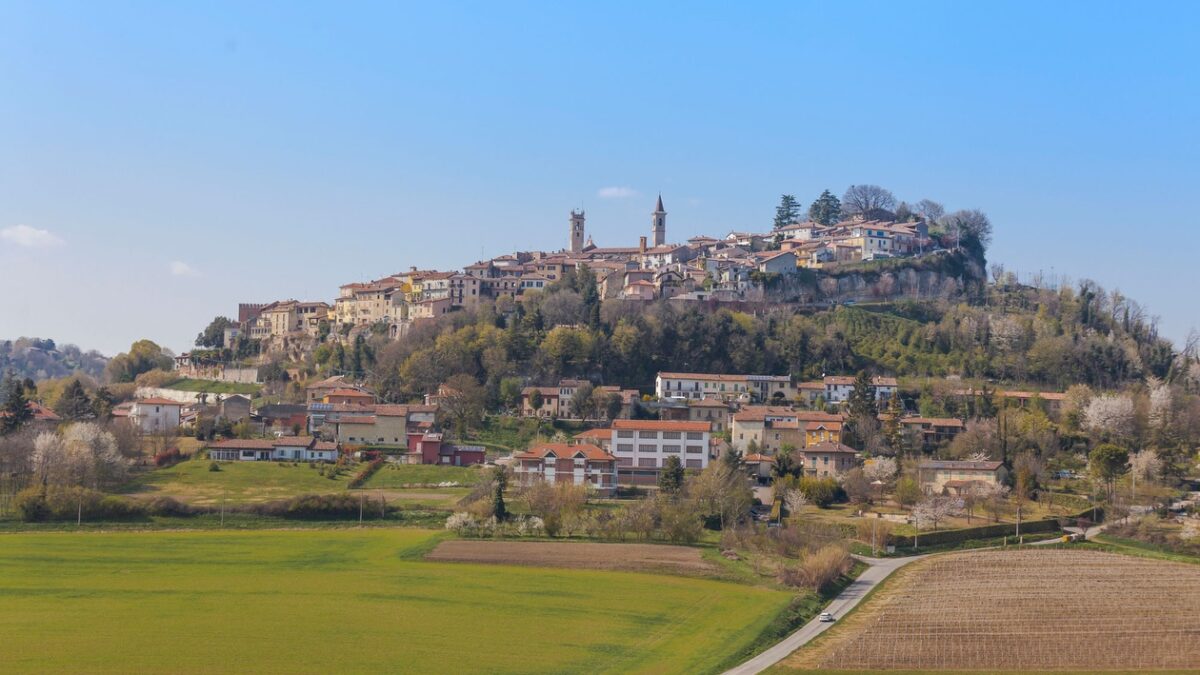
[(658, 223)]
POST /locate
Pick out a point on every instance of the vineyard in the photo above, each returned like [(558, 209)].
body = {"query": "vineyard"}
[(1023, 610)]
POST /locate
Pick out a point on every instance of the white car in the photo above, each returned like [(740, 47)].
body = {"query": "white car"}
[(825, 617)]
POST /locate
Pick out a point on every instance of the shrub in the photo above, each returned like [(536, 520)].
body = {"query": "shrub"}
[(818, 569), (168, 457), (213, 466), (168, 506), (366, 473), (341, 505), (69, 503)]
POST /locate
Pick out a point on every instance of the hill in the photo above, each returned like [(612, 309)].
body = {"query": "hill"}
[(42, 359)]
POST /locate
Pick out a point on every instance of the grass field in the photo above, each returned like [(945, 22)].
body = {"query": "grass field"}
[(348, 601), (392, 476), (236, 482), (214, 386)]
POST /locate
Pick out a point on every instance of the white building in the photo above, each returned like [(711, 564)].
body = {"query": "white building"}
[(155, 415), (298, 449), (643, 446), (838, 388), (697, 386)]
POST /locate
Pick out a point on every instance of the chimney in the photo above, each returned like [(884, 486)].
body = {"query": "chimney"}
[(642, 245)]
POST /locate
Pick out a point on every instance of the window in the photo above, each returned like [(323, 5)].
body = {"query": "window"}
[(647, 448), (671, 434), (649, 462), (624, 447), (624, 434), (670, 448), (694, 435), (695, 450), (647, 434)]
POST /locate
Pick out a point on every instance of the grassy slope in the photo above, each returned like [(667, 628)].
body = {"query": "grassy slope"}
[(347, 601), (214, 386), (240, 482), (393, 476)]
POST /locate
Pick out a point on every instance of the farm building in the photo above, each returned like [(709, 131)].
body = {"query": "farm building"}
[(428, 448), (953, 477), (296, 448)]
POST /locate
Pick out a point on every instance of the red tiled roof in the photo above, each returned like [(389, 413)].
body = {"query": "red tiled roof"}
[(564, 451), (829, 446)]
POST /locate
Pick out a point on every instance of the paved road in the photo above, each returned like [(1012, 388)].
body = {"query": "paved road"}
[(880, 569)]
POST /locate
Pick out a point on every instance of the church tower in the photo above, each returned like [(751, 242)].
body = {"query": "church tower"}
[(658, 226), (576, 231)]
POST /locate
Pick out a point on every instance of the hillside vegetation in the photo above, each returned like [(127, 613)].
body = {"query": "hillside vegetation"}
[(39, 359)]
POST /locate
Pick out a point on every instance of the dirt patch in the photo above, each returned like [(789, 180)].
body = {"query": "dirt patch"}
[(1020, 611), (623, 557)]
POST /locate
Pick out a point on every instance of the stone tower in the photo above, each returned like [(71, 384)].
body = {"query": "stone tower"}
[(577, 231), (658, 225)]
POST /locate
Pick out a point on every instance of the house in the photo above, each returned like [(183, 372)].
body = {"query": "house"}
[(760, 467), (385, 425), (932, 431), (643, 446), (155, 415), (234, 408), (582, 464), (601, 438), (839, 387), (955, 477), (348, 397), (726, 387), (828, 459), (809, 392), (776, 262), (44, 419), (639, 290), (429, 448), (712, 410), (772, 427), (316, 391), (551, 405), (822, 432), (296, 449), (281, 415)]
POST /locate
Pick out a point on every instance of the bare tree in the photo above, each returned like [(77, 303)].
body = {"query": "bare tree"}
[(936, 509), (865, 200), (930, 210)]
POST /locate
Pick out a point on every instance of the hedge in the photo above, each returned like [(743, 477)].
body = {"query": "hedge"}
[(366, 473), (941, 537)]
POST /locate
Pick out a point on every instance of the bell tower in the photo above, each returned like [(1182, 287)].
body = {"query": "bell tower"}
[(658, 224), (576, 231)]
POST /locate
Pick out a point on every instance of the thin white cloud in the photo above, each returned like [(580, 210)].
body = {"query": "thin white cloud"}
[(31, 237), (182, 269), (616, 192)]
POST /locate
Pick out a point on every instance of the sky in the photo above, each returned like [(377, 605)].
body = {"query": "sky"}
[(162, 162)]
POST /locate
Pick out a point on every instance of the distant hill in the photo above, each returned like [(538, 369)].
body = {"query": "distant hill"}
[(42, 359)]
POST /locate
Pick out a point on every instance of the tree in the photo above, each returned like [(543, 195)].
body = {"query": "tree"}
[(463, 400), (930, 210), (882, 469), (867, 200), (1107, 463), (1109, 415), (785, 465), (535, 401), (1144, 464), (971, 227), (16, 411), (499, 483), (856, 485), (826, 210), (721, 492), (74, 404), (670, 479), (214, 335), (102, 404), (787, 212), (862, 398), (510, 392), (908, 492), (936, 509), (581, 401), (142, 357), (612, 406)]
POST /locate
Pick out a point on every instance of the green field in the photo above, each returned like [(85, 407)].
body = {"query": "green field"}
[(214, 386), (236, 482), (347, 601), (392, 476)]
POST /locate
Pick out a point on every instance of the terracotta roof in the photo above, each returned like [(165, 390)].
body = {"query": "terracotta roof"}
[(565, 451), (158, 400), (829, 446), (934, 421), (356, 419), (349, 392), (756, 457), (243, 444), (325, 445), (546, 391), (827, 425), (594, 433), (660, 425), (392, 410), (708, 403)]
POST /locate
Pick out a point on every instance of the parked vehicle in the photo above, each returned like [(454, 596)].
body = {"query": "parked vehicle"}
[(825, 617)]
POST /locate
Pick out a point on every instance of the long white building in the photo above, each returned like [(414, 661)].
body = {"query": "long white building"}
[(643, 446)]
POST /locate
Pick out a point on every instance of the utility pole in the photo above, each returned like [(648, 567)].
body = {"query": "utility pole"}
[(222, 507), (360, 506)]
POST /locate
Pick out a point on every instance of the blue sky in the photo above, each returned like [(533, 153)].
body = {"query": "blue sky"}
[(160, 162)]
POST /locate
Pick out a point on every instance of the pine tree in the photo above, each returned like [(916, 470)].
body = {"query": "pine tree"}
[(500, 481), (74, 404), (787, 212), (16, 411), (670, 480), (862, 397), (826, 210)]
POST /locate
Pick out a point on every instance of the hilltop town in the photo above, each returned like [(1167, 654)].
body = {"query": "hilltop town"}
[(742, 269)]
